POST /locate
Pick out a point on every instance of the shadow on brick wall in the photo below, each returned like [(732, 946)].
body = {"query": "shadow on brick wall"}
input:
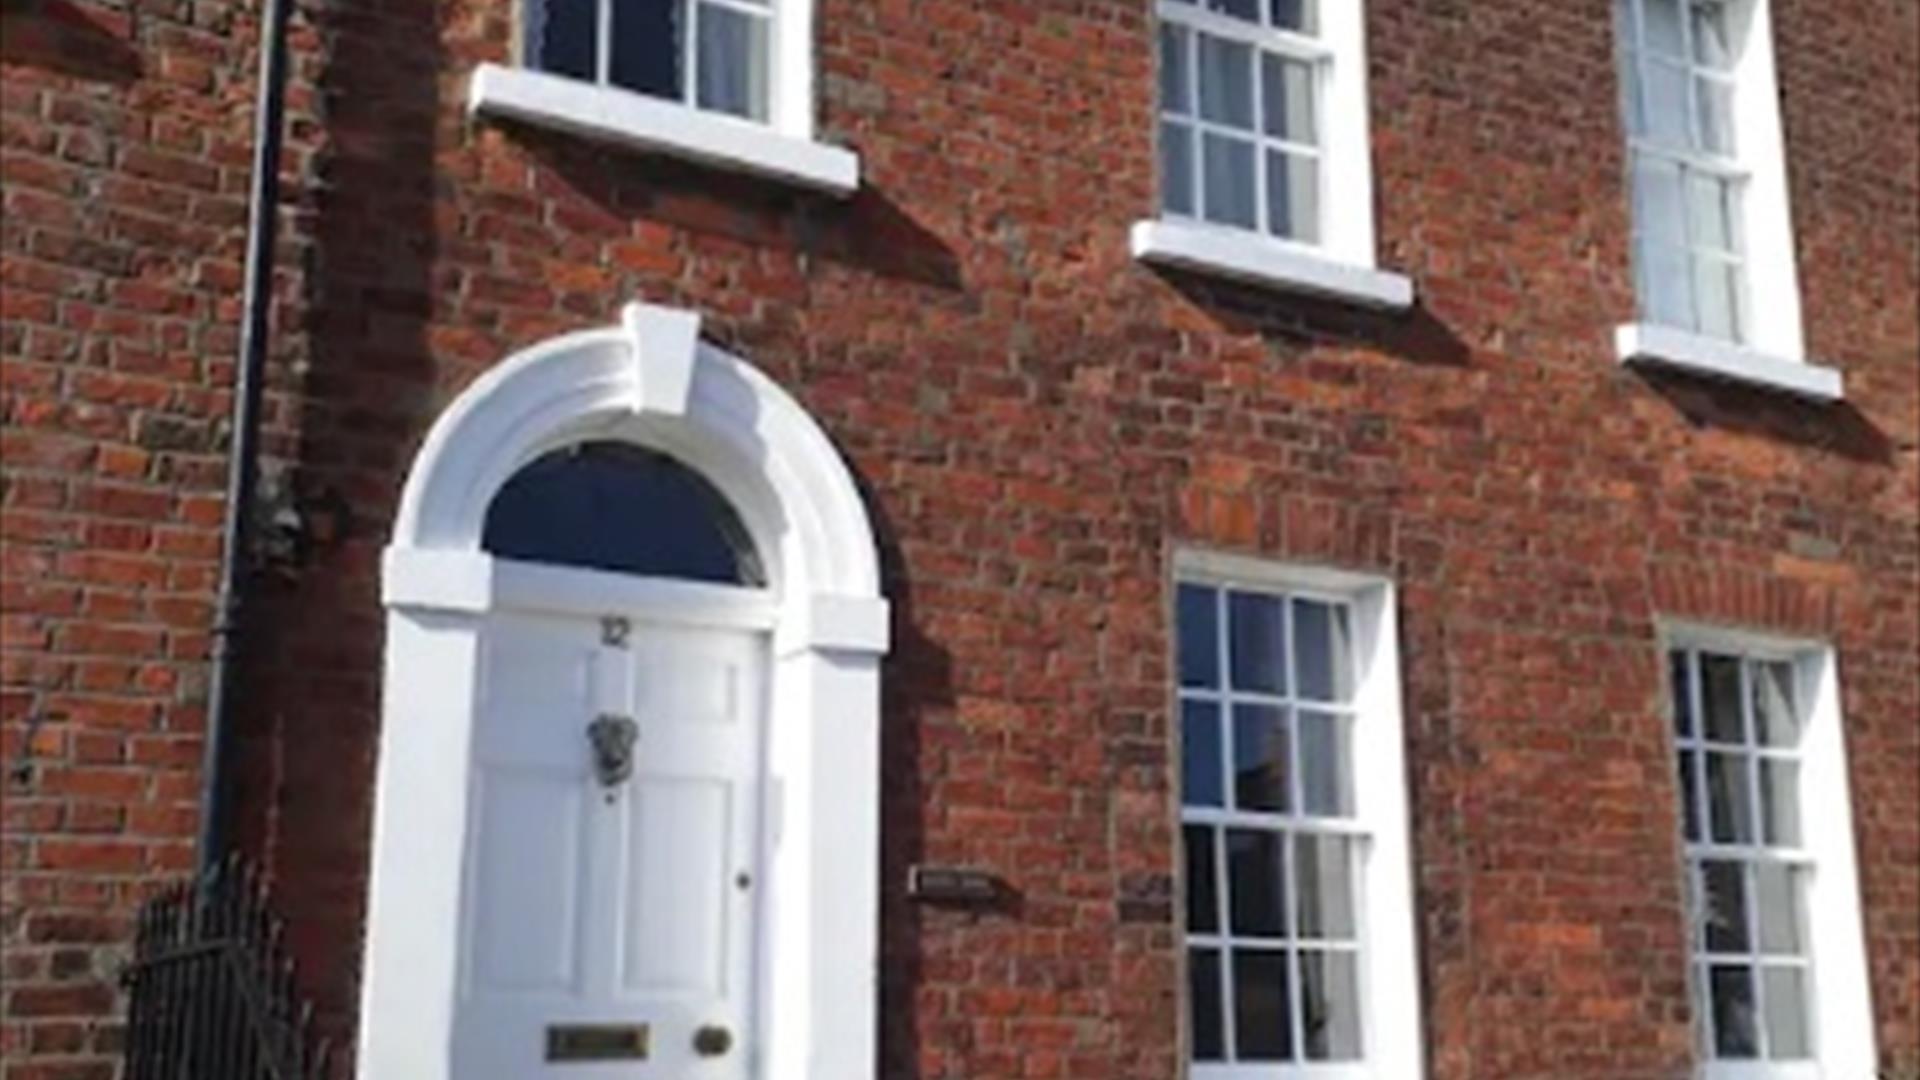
[(1836, 428), (350, 391), (57, 36), (870, 232), (917, 680), (1295, 321)]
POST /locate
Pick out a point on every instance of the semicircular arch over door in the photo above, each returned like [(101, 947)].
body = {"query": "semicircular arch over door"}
[(626, 818)]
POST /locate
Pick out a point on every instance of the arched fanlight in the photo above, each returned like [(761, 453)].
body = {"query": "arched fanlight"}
[(615, 506)]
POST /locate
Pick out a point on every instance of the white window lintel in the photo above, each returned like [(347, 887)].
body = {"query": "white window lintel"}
[(634, 120), (1665, 346), (1259, 260)]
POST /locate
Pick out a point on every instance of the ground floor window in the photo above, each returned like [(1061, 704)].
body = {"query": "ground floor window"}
[(1297, 905), (1772, 906)]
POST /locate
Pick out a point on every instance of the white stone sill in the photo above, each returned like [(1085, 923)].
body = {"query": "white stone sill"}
[(1259, 260), (634, 120), (1663, 346)]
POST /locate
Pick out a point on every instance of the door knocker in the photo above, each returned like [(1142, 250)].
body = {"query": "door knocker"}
[(612, 736)]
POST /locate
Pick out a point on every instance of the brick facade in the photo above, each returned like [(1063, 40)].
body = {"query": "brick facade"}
[(1038, 421)]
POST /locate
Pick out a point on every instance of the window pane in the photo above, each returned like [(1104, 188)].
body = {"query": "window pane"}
[(1773, 706), (1203, 882), (1287, 109), (1325, 650), (1663, 98), (1657, 207), (1326, 764), (1710, 212), (732, 63), (1663, 33), (1262, 765), (1176, 77), (1198, 613), (1666, 291), (1720, 694), (1259, 644), (1729, 799), (648, 41), (1690, 794), (1201, 754), (1329, 1006), (1735, 1033), (1323, 886), (1293, 196), (1630, 105), (1256, 872), (1680, 675), (1723, 906), (1262, 1017), (1239, 9), (562, 37), (1786, 1013), (1296, 15), (1205, 1009), (1711, 45), (1714, 100), (1715, 286), (1780, 801), (1176, 169), (1226, 82), (1777, 894), (1228, 180)]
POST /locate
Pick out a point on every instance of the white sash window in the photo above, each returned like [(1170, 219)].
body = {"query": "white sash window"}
[(1778, 971), (1298, 911)]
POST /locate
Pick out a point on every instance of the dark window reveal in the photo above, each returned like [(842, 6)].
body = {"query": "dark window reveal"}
[(614, 506)]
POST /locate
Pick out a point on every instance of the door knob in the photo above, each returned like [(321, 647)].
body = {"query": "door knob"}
[(712, 1040), (612, 737)]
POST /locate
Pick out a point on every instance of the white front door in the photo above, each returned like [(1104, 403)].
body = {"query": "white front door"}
[(607, 924)]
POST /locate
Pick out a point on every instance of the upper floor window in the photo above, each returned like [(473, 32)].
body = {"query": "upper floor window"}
[(1713, 250), (1778, 973), (1293, 823), (712, 54), (723, 83), (1240, 140), (1265, 164)]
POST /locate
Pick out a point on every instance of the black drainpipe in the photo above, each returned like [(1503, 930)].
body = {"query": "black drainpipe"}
[(243, 467)]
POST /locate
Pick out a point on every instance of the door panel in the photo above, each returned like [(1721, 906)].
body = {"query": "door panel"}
[(676, 923), (525, 932), (631, 904)]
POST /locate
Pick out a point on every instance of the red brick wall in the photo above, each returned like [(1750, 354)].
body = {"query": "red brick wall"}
[(1039, 421)]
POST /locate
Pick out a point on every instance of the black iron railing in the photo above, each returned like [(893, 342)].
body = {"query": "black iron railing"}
[(212, 987)]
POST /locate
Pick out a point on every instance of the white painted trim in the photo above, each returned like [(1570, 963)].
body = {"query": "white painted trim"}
[(1841, 989), (820, 932), (1346, 189), (1651, 343), (1390, 971), (793, 76), (635, 120), (1773, 281), (663, 342), (1261, 260)]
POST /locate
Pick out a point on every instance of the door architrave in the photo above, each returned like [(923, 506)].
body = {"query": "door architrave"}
[(652, 381)]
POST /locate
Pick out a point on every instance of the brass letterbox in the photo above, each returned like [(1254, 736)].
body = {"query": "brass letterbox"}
[(596, 1042)]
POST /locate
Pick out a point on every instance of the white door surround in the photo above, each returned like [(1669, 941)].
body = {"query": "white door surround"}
[(650, 381)]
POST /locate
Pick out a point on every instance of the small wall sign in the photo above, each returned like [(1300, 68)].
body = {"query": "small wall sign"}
[(953, 885)]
